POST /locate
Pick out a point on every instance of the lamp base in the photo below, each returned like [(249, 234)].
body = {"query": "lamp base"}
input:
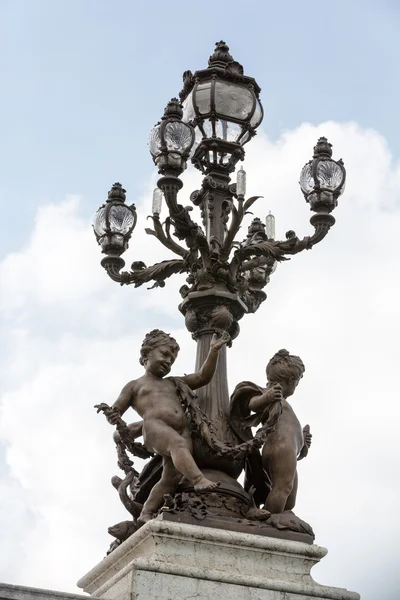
[(231, 508), (167, 560)]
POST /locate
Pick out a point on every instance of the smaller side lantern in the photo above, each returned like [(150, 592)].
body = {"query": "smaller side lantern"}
[(322, 179), (114, 222)]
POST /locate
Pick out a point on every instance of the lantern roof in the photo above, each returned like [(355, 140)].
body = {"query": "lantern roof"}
[(220, 64)]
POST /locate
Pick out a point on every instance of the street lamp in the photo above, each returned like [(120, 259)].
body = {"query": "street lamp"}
[(218, 113)]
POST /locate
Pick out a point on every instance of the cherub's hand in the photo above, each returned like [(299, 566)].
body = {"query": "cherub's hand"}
[(114, 416), (278, 392), (218, 342), (272, 394), (307, 435)]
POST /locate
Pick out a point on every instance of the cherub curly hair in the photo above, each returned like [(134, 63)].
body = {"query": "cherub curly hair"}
[(155, 338), (284, 366)]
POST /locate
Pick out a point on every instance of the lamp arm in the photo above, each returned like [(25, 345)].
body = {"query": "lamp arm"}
[(185, 228), (164, 237), (277, 250), (322, 222), (141, 274), (237, 218)]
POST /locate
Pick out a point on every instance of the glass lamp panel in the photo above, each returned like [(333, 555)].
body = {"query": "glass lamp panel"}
[(244, 139), (99, 222), (121, 219), (233, 100), (257, 116), (227, 130), (188, 109), (306, 179), (178, 136), (198, 136), (329, 174), (203, 97), (207, 126), (155, 141)]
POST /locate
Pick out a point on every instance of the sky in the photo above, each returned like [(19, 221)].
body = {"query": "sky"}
[(83, 82)]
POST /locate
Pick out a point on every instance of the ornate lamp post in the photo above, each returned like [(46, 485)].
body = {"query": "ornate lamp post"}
[(218, 113)]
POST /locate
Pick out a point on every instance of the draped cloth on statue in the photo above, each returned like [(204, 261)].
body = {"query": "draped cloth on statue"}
[(242, 421)]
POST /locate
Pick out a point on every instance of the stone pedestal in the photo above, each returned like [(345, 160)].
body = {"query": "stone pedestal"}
[(176, 561)]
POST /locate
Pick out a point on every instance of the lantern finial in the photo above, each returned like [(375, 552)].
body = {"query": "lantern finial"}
[(323, 149), (117, 192), (221, 55), (173, 109)]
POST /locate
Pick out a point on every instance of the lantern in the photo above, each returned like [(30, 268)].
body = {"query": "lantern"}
[(114, 222), (322, 179)]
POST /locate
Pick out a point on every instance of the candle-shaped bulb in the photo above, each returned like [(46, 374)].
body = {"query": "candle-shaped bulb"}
[(270, 226), (241, 182), (157, 201)]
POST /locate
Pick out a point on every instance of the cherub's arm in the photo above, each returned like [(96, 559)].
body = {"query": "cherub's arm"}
[(273, 394), (307, 442), (136, 429), (204, 376), (122, 403)]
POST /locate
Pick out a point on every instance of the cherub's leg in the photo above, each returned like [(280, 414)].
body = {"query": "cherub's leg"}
[(181, 454), (282, 469), (291, 501), (168, 442), (167, 485)]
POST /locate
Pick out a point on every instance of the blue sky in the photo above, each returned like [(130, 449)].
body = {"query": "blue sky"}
[(83, 82)]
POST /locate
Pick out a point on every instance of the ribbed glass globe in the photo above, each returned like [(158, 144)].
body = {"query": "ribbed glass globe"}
[(120, 217), (99, 222), (178, 136), (330, 175), (306, 179), (155, 140)]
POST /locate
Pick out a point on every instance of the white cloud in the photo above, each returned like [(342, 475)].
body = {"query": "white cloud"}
[(71, 338)]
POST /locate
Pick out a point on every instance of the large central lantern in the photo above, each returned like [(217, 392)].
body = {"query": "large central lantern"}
[(222, 104)]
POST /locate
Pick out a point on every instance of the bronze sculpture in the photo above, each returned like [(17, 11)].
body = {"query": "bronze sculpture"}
[(288, 443), (225, 281), (165, 428)]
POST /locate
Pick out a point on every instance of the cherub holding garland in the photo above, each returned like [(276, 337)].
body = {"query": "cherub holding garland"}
[(165, 428), (276, 478)]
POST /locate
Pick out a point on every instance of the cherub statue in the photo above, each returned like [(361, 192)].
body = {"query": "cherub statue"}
[(165, 428), (288, 443)]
